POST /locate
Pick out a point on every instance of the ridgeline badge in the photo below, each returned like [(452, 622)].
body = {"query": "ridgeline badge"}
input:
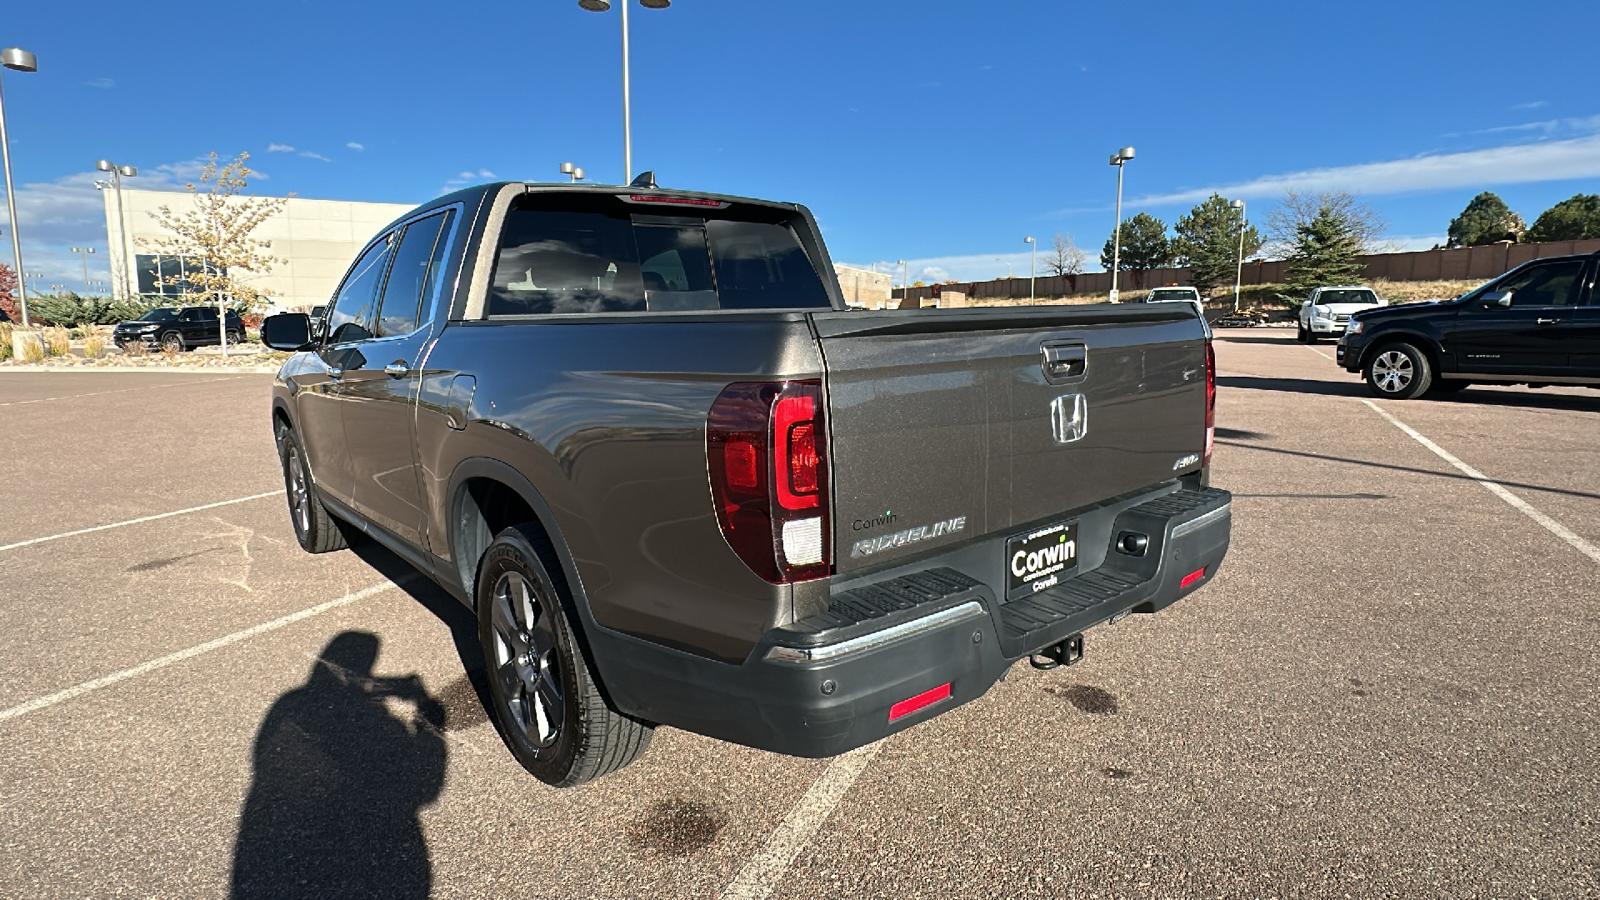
[(870, 546)]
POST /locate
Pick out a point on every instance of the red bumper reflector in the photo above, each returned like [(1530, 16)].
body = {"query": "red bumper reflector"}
[(1191, 578), (920, 701)]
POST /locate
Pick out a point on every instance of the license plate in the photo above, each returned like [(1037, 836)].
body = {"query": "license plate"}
[(1040, 559)]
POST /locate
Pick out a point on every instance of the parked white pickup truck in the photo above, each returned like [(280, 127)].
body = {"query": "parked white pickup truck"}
[(1326, 312)]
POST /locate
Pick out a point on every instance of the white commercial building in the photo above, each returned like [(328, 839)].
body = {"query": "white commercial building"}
[(318, 238)]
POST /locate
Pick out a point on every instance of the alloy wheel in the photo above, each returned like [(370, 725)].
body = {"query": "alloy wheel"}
[(1392, 371), (299, 492), (526, 663)]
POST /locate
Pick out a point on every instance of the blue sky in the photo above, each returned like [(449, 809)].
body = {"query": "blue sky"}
[(939, 132)]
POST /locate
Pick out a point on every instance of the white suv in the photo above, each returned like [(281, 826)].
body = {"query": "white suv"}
[(1326, 313)]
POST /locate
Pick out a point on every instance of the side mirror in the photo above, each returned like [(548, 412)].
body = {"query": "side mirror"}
[(287, 331), (1502, 299)]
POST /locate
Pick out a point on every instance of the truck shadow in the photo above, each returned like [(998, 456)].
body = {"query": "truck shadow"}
[(1478, 395), (343, 764)]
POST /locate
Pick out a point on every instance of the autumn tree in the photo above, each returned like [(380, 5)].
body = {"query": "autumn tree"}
[(213, 236), (8, 293), (1576, 218), (1297, 209), (1144, 247), (1208, 242), (1486, 220), (1065, 258)]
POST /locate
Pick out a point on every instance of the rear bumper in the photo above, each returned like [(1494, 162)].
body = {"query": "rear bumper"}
[(830, 683)]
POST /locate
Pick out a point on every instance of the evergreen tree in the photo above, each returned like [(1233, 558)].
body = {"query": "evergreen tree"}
[(1576, 218), (1485, 220), (1144, 246), (1208, 243), (1323, 253)]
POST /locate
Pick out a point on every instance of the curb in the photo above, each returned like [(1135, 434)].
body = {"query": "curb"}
[(155, 370)]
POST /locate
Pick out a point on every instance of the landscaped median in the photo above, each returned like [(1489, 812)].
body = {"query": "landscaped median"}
[(90, 347)]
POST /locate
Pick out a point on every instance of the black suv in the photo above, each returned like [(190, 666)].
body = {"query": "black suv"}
[(1538, 324), (175, 328)]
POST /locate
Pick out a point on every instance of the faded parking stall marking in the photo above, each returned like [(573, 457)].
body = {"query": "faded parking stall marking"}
[(166, 515)]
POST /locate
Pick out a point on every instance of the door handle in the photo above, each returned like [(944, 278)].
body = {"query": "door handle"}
[(1546, 321), (397, 370), (1063, 359)]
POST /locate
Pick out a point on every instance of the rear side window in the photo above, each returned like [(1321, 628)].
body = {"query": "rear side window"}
[(597, 254), (412, 276)]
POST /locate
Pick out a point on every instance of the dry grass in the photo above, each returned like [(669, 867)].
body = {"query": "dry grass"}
[(59, 341), (94, 343), (1420, 291), (33, 349)]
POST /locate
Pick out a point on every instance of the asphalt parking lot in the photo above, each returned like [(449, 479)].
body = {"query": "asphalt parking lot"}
[(1391, 689)]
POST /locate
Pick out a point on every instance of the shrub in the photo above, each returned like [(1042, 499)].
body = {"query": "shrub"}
[(5, 341), (33, 351), (94, 342)]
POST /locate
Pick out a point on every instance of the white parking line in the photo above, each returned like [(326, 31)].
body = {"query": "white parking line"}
[(1517, 503), (166, 515), (171, 658), (149, 387), (760, 875)]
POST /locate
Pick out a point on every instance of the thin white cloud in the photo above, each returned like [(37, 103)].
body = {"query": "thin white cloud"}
[(308, 154), (101, 83), (279, 148), (1514, 164), (355, 146), (1535, 104), (464, 178), (485, 173)]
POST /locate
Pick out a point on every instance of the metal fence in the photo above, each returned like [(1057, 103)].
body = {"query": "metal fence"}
[(1460, 264)]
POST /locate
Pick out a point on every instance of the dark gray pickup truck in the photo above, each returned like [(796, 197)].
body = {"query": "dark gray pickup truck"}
[(680, 482)]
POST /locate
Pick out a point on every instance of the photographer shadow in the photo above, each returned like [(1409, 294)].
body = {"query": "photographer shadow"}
[(343, 765)]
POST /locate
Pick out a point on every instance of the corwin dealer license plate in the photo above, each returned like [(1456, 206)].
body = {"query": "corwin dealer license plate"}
[(1039, 560)]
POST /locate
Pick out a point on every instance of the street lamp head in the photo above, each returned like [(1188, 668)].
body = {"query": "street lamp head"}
[(655, 4), (128, 171), (104, 165), (595, 5), (577, 174), (899, 262), (19, 59), (566, 168), (1237, 204), (1027, 240), (1126, 153)]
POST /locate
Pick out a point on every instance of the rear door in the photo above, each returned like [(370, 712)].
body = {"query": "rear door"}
[(994, 420), (1585, 340)]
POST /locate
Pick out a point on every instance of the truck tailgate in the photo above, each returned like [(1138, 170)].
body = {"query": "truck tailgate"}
[(951, 425)]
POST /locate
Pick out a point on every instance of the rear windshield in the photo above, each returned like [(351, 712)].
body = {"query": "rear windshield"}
[(596, 254), (1351, 296), (1164, 295)]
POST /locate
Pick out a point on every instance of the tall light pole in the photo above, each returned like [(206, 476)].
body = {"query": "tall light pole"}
[(905, 281), (84, 252), (1008, 266), (22, 61), (1033, 255), (1118, 159), (117, 174), (627, 113), (1238, 273)]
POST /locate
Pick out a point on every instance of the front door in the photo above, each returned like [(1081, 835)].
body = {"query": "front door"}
[(1530, 337), (381, 392), (320, 386)]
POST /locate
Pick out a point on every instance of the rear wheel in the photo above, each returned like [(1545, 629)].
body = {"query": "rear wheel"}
[(172, 342), (1399, 372), (234, 337), (546, 700), (317, 530)]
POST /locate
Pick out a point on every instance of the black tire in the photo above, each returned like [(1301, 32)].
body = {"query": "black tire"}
[(234, 338), (317, 530), (1398, 372), (172, 342), (1301, 335), (536, 668)]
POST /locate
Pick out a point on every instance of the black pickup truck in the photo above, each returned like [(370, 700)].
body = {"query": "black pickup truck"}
[(1538, 324), (640, 433)]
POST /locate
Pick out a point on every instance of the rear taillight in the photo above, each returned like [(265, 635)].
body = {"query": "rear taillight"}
[(766, 451), (1211, 402)]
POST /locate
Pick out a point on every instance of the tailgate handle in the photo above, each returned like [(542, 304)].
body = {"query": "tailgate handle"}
[(1066, 359)]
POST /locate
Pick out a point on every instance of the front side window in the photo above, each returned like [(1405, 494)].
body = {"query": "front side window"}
[(352, 306), (1549, 284), (413, 276)]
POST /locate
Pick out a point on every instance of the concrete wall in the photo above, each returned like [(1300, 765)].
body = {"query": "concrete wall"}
[(863, 287), (318, 238)]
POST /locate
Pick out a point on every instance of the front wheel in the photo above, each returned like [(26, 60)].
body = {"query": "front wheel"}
[(1399, 372), (546, 701), (316, 529), (1302, 335), (172, 342)]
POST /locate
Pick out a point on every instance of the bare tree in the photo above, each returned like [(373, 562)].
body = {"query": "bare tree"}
[(1297, 209), (213, 239), (1065, 258)]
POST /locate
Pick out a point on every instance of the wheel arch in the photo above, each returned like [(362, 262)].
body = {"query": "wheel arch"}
[(1424, 344), (486, 496)]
